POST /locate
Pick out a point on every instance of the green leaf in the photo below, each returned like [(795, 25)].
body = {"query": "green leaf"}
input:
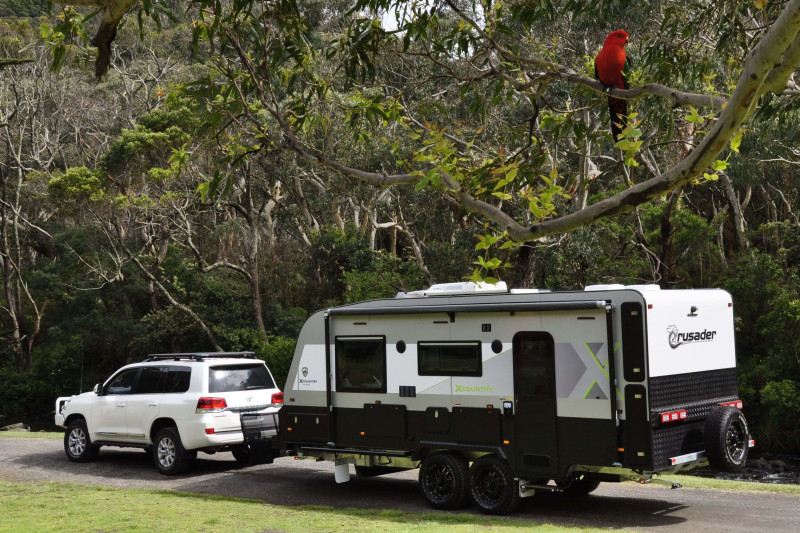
[(736, 141), (694, 116)]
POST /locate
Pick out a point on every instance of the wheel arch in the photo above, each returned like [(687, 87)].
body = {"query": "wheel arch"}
[(159, 424), (75, 416)]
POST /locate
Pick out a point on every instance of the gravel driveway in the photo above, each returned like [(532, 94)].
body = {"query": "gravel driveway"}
[(290, 482)]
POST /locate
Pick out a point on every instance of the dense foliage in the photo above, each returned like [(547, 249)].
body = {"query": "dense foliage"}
[(218, 185)]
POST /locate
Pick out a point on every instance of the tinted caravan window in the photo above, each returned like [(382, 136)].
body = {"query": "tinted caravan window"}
[(361, 364), (449, 358)]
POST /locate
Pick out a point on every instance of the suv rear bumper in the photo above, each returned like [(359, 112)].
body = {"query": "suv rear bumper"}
[(213, 430)]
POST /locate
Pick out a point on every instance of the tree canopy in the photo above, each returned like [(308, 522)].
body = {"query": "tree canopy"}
[(487, 102)]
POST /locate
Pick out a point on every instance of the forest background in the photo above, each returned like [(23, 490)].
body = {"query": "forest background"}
[(243, 164)]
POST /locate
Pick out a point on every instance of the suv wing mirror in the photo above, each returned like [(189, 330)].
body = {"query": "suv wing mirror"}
[(97, 389)]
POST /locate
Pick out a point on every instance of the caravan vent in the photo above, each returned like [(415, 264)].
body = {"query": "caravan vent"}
[(528, 291), (466, 287), (610, 287), (618, 286)]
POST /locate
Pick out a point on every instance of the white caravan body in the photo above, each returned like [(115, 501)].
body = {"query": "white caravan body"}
[(611, 382)]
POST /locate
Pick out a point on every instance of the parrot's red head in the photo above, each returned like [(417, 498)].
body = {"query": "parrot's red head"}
[(618, 38)]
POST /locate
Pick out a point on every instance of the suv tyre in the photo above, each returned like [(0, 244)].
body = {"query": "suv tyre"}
[(169, 455), (77, 443)]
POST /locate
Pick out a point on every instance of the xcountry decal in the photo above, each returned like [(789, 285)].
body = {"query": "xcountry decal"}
[(676, 338), (465, 388)]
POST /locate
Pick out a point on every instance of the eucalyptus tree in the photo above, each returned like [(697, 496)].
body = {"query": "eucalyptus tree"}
[(492, 104)]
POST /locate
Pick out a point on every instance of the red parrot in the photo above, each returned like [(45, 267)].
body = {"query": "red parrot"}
[(611, 68)]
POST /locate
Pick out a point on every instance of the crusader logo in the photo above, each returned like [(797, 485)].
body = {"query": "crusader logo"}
[(676, 338)]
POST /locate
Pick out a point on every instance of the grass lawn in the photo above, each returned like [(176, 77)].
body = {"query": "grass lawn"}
[(695, 482), (58, 507)]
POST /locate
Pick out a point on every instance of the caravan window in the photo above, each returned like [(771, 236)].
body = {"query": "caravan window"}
[(449, 358), (361, 364)]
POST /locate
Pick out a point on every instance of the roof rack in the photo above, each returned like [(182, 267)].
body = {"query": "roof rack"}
[(198, 356)]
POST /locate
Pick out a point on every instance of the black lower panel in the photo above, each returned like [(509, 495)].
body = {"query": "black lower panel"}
[(698, 394), (636, 431), (384, 420), (393, 427), (305, 425), (672, 441), (587, 441), (679, 389), (475, 425)]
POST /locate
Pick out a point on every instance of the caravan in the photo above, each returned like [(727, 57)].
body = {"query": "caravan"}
[(495, 394)]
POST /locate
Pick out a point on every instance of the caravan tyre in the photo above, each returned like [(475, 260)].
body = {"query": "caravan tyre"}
[(492, 486), (443, 480), (727, 439)]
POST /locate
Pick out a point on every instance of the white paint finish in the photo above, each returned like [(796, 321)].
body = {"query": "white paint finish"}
[(699, 343), (401, 369), (311, 370)]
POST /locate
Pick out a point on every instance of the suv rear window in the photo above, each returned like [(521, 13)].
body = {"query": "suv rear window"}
[(239, 378)]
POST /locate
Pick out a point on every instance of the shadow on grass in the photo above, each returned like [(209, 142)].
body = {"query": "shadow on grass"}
[(391, 497), (291, 484), (393, 500)]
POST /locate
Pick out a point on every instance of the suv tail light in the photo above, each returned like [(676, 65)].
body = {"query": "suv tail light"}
[(277, 397), (211, 405)]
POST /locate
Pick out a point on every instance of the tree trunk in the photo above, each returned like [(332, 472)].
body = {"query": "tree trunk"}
[(252, 256), (666, 253), (736, 213), (7, 265)]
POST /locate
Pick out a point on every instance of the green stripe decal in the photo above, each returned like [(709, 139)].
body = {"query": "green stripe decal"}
[(589, 389), (596, 360)]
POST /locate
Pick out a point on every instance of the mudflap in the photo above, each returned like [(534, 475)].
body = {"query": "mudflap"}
[(258, 430)]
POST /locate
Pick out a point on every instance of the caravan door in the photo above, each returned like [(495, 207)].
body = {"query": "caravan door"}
[(536, 449)]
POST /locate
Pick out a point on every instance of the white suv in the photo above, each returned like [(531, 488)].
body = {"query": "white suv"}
[(172, 404)]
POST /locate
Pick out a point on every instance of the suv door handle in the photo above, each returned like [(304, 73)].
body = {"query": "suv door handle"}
[(153, 404), (121, 404)]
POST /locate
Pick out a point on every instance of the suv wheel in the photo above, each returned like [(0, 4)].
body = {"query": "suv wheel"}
[(169, 455), (77, 444)]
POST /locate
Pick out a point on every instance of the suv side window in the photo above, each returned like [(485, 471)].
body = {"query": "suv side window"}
[(178, 378), (123, 382), (152, 380)]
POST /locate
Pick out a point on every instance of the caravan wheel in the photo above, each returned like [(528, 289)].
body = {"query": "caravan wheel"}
[(443, 480), (492, 486), (727, 439)]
